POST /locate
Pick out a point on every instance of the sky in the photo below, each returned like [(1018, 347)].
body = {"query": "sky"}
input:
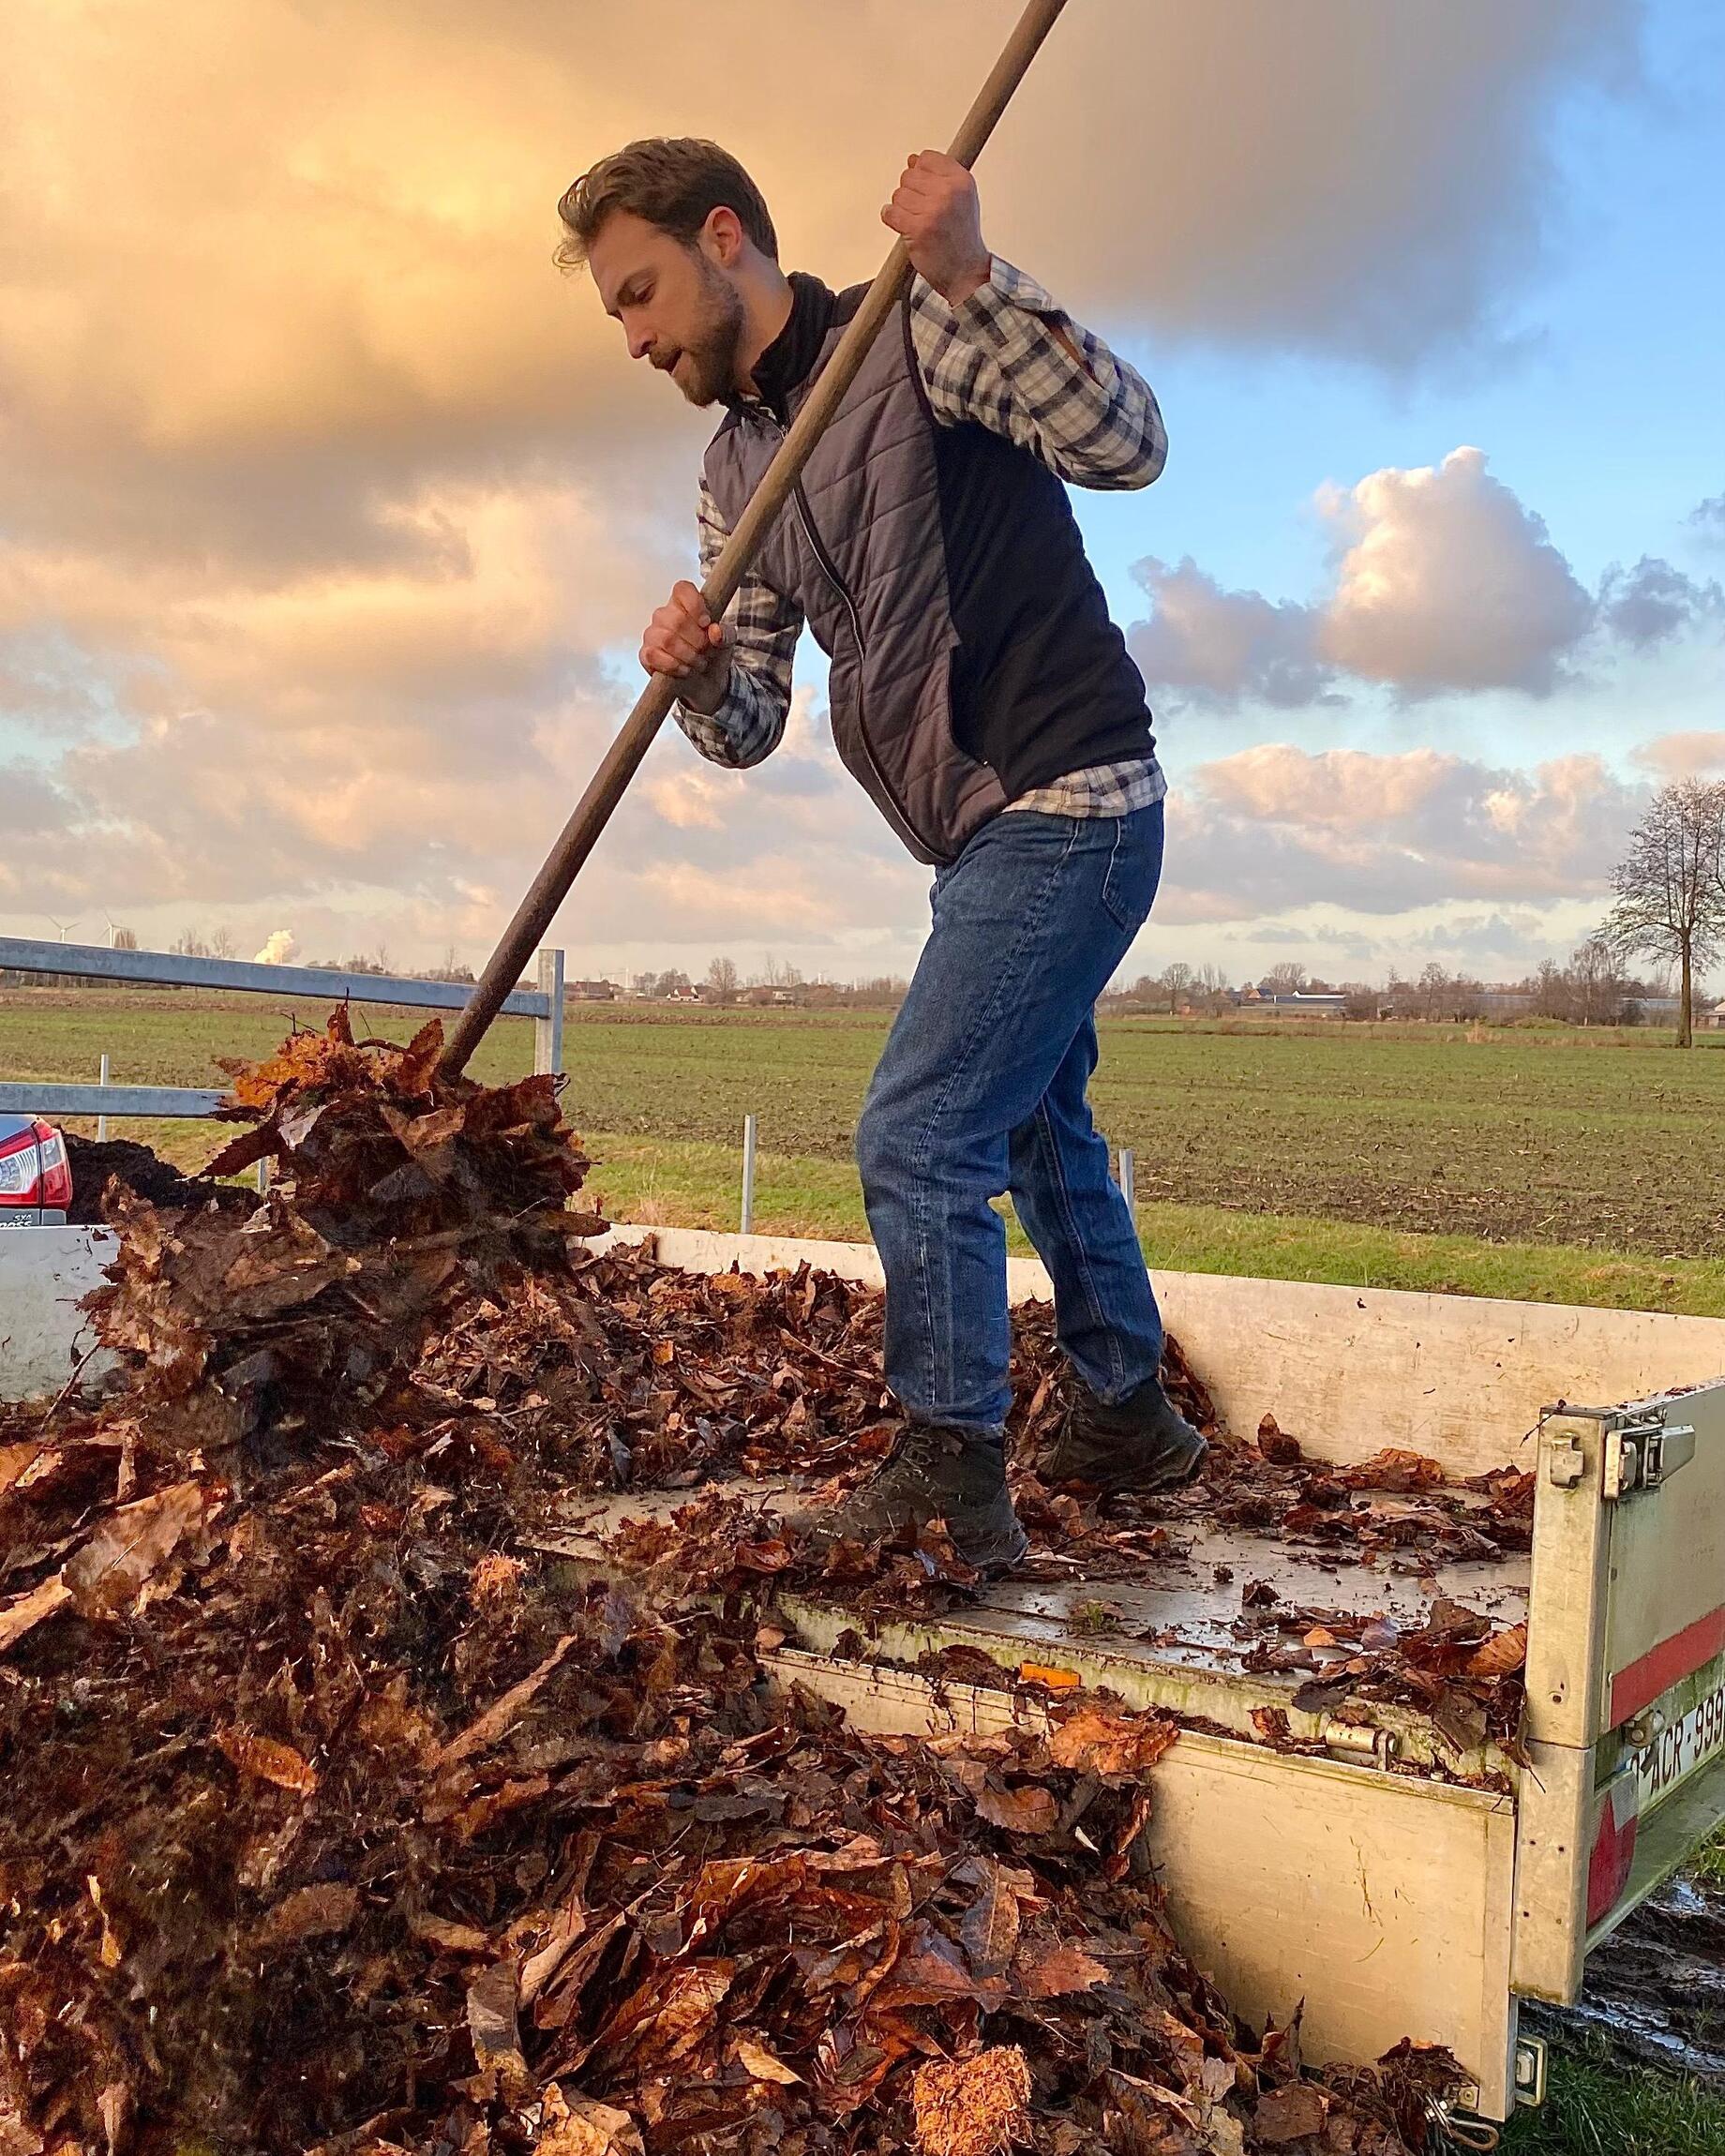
[(331, 511)]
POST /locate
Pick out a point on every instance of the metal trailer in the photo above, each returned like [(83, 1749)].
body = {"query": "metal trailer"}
[(1371, 1882)]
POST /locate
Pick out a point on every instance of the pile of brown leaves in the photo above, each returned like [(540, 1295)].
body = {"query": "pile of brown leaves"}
[(341, 1824)]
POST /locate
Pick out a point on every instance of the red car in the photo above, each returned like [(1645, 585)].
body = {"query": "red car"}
[(36, 1177)]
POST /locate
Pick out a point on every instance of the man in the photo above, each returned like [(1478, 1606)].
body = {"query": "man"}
[(986, 703)]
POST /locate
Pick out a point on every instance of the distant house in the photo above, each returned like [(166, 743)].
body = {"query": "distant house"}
[(1712, 1020), (685, 995), (592, 991)]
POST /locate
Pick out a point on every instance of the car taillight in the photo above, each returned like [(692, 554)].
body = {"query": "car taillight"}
[(56, 1168), (21, 1166), (34, 1168)]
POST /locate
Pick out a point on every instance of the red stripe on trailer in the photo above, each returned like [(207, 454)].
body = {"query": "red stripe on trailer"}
[(1666, 1665), (1612, 1855)]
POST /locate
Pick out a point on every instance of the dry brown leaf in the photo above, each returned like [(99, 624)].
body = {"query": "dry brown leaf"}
[(1395, 1470), (490, 2018), (763, 2064), (1502, 1653), (311, 1912), (269, 1760), (1291, 2113), (28, 1610), (1092, 1743), (584, 2128), (485, 1732), (129, 1545), (1022, 1811), (1050, 1971), (989, 1932), (16, 1462), (453, 1938)]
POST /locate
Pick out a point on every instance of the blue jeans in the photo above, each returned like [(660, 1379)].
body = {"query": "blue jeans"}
[(981, 1091)]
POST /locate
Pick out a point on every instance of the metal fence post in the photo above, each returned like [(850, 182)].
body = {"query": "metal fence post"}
[(1128, 1182), (101, 1121), (748, 1175), (548, 1030)]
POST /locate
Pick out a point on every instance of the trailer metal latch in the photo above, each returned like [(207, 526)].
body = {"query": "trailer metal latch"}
[(1530, 2069), (1643, 1456), (1564, 1461)]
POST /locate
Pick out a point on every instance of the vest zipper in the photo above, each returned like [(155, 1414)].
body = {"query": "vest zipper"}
[(830, 571)]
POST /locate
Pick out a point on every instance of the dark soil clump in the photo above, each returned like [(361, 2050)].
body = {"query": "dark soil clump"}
[(144, 1173)]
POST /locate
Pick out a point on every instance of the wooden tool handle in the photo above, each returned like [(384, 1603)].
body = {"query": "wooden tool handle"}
[(593, 812)]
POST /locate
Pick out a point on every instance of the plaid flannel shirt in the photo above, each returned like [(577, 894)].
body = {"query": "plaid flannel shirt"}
[(995, 360)]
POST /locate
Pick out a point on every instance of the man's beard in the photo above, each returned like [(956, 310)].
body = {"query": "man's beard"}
[(708, 362)]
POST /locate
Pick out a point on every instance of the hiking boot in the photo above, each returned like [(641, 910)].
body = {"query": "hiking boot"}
[(931, 1473), (1142, 1443)]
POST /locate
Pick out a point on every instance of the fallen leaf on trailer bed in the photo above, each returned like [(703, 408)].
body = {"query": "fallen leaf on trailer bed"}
[(270, 1761), (129, 1545), (1291, 2113), (1092, 1743), (1051, 1972), (1030, 1811), (989, 1933), (491, 2019), (1503, 1651), (761, 2062), (585, 2128), (1394, 1471), (311, 1912), (28, 1610)]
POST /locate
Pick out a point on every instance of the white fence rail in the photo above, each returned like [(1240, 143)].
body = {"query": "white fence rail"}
[(543, 1004)]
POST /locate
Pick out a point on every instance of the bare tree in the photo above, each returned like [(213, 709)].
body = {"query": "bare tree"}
[(1671, 888), (125, 939), (1178, 980), (1286, 979), (221, 942), (722, 980)]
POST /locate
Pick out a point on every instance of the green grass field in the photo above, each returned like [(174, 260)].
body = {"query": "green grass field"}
[(1583, 1168), (1554, 1166)]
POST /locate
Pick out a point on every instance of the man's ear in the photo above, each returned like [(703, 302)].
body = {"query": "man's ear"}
[(723, 238)]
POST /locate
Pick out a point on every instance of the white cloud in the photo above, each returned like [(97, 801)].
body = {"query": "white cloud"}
[(1442, 582), (1448, 581)]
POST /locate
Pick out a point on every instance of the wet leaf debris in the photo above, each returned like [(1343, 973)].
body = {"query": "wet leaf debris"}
[(341, 1823)]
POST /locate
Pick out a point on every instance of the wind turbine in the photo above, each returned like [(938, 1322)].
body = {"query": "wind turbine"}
[(62, 925)]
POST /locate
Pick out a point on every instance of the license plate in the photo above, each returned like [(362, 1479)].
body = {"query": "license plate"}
[(16, 1217), (1683, 1750)]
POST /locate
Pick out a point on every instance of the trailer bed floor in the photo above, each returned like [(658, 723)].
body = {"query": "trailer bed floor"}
[(1174, 1639)]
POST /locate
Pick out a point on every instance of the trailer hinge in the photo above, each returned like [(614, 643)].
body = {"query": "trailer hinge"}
[(1643, 1455), (1361, 1743)]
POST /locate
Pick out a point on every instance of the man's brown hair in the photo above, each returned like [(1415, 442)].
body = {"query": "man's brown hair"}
[(675, 182)]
